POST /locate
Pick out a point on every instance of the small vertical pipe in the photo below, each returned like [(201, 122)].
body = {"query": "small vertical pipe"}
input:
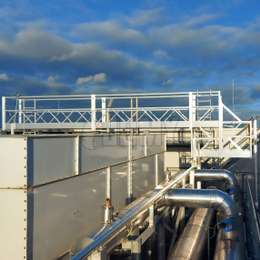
[(220, 121), (130, 168), (108, 206), (156, 159), (93, 112), (3, 113), (145, 145), (184, 182), (108, 182), (192, 178), (76, 155)]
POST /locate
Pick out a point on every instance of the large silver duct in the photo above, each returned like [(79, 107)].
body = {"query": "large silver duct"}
[(217, 174), (196, 198), (216, 199), (192, 241)]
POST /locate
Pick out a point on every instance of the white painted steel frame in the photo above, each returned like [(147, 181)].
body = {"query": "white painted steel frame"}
[(201, 111)]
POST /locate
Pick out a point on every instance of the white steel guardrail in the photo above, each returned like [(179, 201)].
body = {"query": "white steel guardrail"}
[(199, 112)]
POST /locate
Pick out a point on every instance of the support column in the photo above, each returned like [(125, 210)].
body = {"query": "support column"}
[(255, 163), (130, 168), (19, 111), (192, 119), (220, 120), (3, 113), (156, 160), (76, 155), (93, 112)]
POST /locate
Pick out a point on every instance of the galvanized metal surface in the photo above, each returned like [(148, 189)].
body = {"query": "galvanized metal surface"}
[(50, 158), (199, 198), (13, 224), (65, 212), (193, 239), (13, 166), (63, 202)]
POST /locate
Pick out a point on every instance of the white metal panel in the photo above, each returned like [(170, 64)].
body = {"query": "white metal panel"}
[(65, 212), (100, 151), (13, 224), (13, 164), (143, 176), (155, 143), (50, 158), (119, 186), (161, 173), (138, 147)]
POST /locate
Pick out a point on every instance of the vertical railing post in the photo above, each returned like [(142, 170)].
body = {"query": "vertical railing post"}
[(130, 169), (35, 113), (192, 118), (104, 110), (193, 142), (255, 154), (3, 113), (93, 112), (220, 122), (108, 205), (19, 111), (108, 193)]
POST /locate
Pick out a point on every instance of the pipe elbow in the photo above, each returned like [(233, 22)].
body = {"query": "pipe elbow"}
[(217, 174), (208, 198)]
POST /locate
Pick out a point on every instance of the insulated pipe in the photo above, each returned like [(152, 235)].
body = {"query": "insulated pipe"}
[(132, 211), (228, 241), (217, 174), (192, 241), (227, 249), (196, 198)]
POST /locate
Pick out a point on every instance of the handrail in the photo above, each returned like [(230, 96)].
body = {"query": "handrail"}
[(129, 215)]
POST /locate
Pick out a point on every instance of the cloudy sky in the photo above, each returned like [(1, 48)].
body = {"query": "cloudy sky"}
[(83, 46)]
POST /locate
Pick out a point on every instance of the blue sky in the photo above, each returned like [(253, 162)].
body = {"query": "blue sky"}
[(66, 47)]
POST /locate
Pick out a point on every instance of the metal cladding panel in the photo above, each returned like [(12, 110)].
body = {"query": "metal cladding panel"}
[(143, 176), (13, 154), (50, 158), (138, 146), (119, 186), (65, 212), (161, 173), (155, 143), (100, 151), (13, 224)]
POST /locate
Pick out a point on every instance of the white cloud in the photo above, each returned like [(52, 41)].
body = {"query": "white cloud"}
[(97, 78), (144, 17), (110, 31), (167, 82), (160, 54), (52, 81), (4, 76)]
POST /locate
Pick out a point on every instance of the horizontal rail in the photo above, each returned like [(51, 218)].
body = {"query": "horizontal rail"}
[(127, 95)]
